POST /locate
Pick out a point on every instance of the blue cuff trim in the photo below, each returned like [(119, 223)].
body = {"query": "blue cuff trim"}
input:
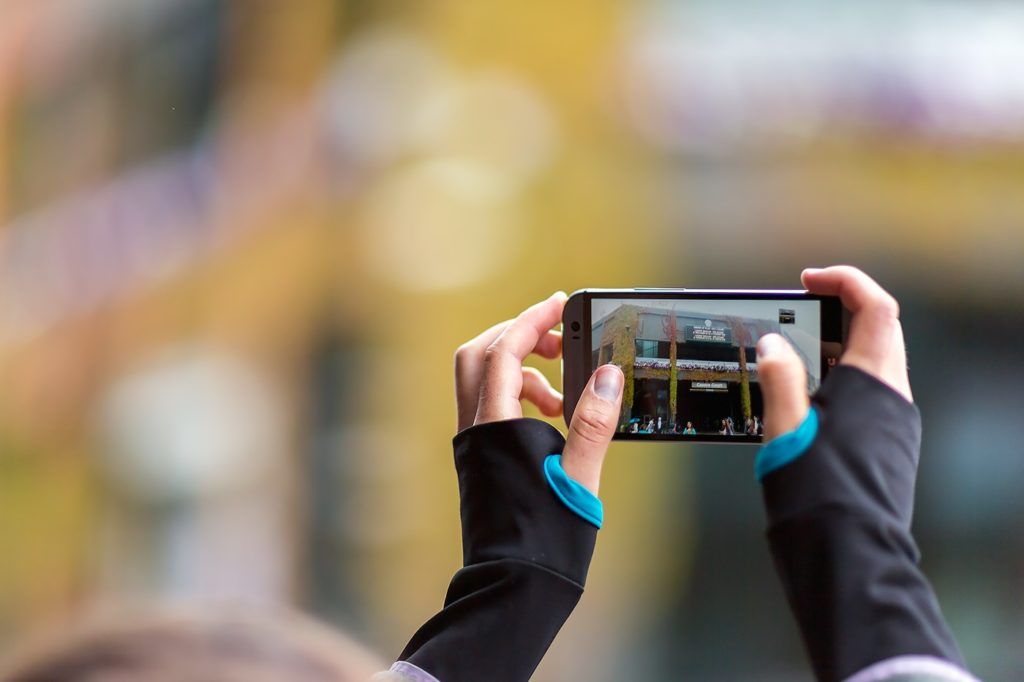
[(578, 499), (783, 449)]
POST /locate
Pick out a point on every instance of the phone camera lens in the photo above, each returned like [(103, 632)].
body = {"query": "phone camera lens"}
[(575, 326)]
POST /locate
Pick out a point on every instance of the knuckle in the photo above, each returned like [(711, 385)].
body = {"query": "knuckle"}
[(889, 306), (850, 271), (493, 354), (769, 367), (535, 379), (776, 372), (463, 352), (780, 371), (592, 425), (885, 307)]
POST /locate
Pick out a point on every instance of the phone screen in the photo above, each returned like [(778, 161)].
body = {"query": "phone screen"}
[(690, 364)]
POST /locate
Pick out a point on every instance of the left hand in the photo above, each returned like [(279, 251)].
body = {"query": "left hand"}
[(490, 382)]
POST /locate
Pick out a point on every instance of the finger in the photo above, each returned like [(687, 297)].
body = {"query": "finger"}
[(875, 313), (592, 427), (538, 390), (875, 344), (783, 380), (550, 345), (521, 337), (896, 372), (469, 362), (502, 381)]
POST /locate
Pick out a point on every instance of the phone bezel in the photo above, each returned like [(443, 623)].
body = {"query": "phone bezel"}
[(576, 355)]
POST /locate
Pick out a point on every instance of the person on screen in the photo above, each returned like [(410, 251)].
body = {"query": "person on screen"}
[(689, 430)]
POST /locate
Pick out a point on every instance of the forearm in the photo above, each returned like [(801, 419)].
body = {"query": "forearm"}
[(525, 556), (857, 593), (498, 621)]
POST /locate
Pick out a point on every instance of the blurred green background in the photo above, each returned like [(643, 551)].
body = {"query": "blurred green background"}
[(240, 240)]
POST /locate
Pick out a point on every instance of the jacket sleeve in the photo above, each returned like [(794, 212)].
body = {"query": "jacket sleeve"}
[(839, 520), (525, 560)]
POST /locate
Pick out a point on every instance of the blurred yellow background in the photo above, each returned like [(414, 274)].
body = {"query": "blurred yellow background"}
[(239, 242)]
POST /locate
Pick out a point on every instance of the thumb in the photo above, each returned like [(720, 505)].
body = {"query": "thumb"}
[(783, 384), (593, 424)]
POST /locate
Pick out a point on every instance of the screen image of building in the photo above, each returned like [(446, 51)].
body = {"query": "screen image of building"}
[(686, 366)]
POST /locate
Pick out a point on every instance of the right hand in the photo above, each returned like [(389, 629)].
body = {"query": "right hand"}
[(875, 346), (490, 382)]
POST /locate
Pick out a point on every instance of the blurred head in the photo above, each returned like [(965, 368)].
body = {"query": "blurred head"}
[(191, 645)]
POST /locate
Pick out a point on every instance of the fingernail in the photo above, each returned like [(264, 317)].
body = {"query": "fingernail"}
[(812, 271), (608, 382), (769, 345), (559, 294)]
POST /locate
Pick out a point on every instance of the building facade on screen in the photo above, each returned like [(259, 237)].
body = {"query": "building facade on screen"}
[(684, 364)]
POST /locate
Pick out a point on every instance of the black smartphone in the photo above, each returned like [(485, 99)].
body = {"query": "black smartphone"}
[(689, 357)]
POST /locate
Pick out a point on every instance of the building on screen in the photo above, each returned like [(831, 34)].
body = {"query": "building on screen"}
[(684, 366)]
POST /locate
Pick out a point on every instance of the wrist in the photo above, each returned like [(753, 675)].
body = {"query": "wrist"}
[(863, 457), (786, 447), (508, 508)]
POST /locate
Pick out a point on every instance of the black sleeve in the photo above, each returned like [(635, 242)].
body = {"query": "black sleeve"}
[(525, 558), (839, 531)]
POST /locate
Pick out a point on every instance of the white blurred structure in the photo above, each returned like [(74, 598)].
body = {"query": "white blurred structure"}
[(194, 455), (704, 76)]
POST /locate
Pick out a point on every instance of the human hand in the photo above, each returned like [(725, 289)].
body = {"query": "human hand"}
[(875, 346), (491, 381), (839, 493)]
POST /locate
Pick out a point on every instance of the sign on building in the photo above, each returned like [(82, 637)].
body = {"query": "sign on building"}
[(696, 334), (709, 386)]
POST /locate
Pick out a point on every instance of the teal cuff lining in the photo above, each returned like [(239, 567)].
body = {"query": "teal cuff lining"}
[(578, 499), (783, 449)]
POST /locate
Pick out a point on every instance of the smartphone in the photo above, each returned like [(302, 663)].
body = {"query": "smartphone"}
[(689, 357)]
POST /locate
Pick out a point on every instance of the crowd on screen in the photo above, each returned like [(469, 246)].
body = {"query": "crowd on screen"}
[(752, 426)]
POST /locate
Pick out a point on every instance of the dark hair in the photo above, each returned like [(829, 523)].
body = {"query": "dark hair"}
[(212, 645)]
